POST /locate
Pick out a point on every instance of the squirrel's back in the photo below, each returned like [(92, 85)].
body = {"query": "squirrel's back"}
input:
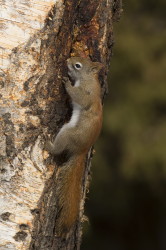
[(76, 137)]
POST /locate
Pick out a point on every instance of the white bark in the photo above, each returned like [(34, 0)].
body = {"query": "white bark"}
[(19, 21), (22, 169), (36, 38)]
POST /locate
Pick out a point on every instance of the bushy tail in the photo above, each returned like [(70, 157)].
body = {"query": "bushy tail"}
[(69, 192)]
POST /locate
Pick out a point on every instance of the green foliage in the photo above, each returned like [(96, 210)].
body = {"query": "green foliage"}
[(127, 199), (136, 108)]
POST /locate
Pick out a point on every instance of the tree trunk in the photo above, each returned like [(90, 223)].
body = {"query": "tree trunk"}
[(36, 39)]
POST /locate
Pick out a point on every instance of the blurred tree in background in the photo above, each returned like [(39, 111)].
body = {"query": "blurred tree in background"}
[(127, 203)]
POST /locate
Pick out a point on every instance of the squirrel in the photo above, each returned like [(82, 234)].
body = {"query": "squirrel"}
[(77, 136)]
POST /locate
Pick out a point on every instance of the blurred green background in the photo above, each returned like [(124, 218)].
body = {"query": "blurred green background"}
[(126, 205)]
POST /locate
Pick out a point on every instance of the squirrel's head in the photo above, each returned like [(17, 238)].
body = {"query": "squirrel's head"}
[(79, 68)]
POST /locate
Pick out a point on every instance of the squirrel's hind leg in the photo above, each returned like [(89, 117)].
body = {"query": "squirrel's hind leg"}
[(59, 145)]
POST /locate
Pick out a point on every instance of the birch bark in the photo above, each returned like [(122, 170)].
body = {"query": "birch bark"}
[(36, 38)]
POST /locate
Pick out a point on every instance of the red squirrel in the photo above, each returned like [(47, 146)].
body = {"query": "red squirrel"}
[(77, 136)]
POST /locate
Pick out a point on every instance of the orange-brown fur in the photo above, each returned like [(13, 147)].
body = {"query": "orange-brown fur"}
[(77, 137)]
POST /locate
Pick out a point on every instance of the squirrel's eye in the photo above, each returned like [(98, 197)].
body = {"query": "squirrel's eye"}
[(78, 65)]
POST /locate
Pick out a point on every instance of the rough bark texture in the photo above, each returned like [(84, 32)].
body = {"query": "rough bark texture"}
[(36, 39)]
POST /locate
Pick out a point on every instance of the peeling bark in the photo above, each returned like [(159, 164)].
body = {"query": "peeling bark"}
[(36, 39)]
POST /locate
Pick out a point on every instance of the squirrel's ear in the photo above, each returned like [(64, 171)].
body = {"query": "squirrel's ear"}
[(96, 67)]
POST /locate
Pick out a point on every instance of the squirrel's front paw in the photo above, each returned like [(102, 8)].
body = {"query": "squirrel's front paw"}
[(66, 82), (65, 79)]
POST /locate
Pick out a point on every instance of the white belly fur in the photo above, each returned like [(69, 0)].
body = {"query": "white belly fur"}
[(77, 83), (74, 118), (75, 115)]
